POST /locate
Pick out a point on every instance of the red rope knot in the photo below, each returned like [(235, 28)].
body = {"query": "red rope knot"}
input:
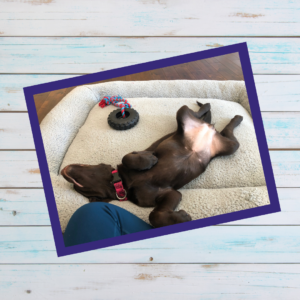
[(116, 101)]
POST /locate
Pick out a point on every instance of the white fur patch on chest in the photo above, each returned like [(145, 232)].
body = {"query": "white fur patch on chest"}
[(199, 136)]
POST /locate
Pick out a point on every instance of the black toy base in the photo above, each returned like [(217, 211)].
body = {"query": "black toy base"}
[(116, 121)]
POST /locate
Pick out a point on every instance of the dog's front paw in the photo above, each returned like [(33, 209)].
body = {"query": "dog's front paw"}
[(146, 161), (153, 160), (183, 216)]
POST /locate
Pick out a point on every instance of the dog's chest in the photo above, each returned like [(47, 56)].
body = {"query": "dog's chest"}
[(199, 139)]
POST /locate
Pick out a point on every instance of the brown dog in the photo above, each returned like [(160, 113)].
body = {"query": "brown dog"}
[(152, 177)]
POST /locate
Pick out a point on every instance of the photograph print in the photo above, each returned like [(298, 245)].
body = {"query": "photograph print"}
[(158, 150)]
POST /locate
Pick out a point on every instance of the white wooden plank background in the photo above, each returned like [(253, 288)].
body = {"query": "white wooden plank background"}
[(46, 40), (214, 244), (149, 18), (85, 55), (181, 281)]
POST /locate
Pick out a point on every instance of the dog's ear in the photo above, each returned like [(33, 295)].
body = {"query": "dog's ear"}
[(75, 182)]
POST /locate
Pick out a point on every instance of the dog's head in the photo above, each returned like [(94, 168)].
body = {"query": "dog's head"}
[(91, 181)]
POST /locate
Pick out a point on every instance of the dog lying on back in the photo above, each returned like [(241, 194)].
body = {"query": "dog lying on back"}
[(151, 178)]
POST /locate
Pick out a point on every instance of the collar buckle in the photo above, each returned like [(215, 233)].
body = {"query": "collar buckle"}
[(118, 184), (122, 198), (116, 177)]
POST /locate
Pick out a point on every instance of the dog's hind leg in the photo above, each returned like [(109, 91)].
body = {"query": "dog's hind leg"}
[(164, 214), (227, 142), (207, 116), (142, 160), (228, 130)]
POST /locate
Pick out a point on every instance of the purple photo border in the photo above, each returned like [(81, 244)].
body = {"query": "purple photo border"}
[(242, 49)]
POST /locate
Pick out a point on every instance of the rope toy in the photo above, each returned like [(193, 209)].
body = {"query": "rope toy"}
[(116, 101)]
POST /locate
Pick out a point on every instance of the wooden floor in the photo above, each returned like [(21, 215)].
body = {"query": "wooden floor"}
[(224, 67), (43, 41)]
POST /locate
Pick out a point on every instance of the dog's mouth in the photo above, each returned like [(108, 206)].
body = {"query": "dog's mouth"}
[(65, 172)]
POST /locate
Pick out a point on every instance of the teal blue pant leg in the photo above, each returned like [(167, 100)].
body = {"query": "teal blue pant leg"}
[(99, 220)]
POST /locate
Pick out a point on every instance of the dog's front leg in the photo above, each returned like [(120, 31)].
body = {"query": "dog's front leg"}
[(142, 160), (164, 214)]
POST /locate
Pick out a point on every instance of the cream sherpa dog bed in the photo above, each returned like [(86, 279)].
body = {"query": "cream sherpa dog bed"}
[(76, 131)]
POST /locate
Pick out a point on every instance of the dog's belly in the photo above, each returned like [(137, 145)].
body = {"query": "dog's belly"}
[(182, 160), (199, 138), (177, 169)]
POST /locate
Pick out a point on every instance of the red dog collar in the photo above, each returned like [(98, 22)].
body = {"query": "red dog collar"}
[(117, 182)]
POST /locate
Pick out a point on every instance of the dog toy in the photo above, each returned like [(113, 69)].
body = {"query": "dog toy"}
[(123, 118), (116, 101)]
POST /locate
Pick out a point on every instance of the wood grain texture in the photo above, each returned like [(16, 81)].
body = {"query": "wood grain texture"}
[(278, 92), (20, 169), (15, 131), (28, 207), (150, 18), (215, 244), (67, 55), (19, 207), (173, 281), (286, 166), (45, 102), (275, 92), (282, 129), (11, 89)]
